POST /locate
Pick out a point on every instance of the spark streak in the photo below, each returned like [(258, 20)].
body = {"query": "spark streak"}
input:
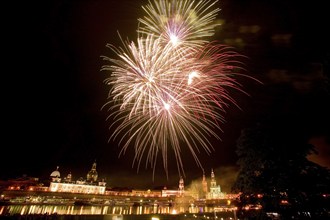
[(171, 88)]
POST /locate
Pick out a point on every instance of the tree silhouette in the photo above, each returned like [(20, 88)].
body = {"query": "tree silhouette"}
[(275, 172)]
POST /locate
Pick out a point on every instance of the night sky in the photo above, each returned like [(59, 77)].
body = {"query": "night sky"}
[(53, 89)]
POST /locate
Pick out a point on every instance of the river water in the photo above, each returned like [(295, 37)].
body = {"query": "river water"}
[(82, 210), (113, 212)]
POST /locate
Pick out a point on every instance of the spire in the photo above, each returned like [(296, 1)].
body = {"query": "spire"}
[(94, 165), (213, 182), (181, 186), (204, 183), (215, 190), (92, 174)]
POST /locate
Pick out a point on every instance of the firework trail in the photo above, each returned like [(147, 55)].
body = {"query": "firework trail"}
[(166, 95), (180, 22)]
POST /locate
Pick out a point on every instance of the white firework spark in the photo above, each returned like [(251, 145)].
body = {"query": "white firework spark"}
[(166, 95), (180, 23)]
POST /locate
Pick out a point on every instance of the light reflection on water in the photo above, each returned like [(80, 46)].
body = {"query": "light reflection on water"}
[(91, 210), (42, 211)]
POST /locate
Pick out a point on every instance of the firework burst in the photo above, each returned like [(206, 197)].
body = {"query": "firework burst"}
[(164, 96), (180, 22)]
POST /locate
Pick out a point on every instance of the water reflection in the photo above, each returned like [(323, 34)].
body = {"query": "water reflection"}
[(83, 210), (101, 209)]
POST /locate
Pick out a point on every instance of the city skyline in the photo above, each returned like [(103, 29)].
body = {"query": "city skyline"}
[(53, 110)]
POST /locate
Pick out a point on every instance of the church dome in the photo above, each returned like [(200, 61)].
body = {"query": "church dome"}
[(55, 173)]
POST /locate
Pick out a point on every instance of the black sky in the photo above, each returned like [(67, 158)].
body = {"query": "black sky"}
[(53, 89)]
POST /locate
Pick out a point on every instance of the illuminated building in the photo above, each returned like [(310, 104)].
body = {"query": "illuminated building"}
[(91, 186), (215, 190), (88, 186), (181, 186), (204, 185)]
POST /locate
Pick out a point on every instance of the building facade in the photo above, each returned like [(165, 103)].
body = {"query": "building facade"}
[(215, 190), (90, 185)]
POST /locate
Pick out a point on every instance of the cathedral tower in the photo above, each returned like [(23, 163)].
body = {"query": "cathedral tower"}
[(215, 190), (92, 174), (181, 186)]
